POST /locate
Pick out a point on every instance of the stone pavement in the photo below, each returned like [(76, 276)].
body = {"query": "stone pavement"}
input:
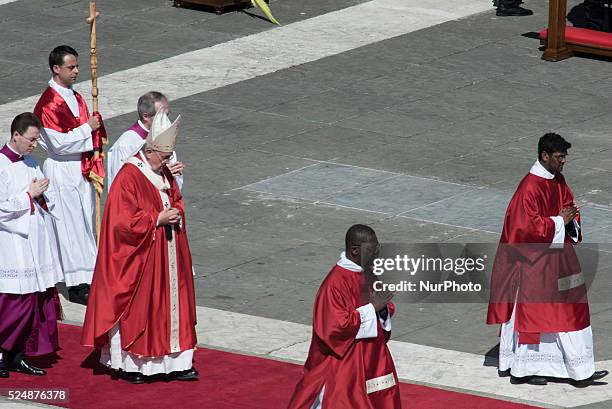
[(422, 135)]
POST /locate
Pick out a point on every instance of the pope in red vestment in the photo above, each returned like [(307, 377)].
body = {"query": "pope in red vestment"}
[(349, 365), (143, 285), (131, 283)]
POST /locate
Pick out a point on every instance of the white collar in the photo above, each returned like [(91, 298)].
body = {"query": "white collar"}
[(348, 264), (144, 160), (142, 125), (539, 170), (61, 90), (159, 181), (14, 151)]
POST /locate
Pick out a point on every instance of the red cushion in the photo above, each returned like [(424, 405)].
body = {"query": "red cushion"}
[(584, 36)]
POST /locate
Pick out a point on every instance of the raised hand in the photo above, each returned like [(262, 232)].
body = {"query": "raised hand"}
[(176, 168), (569, 214), (38, 187), (380, 299), (94, 122)]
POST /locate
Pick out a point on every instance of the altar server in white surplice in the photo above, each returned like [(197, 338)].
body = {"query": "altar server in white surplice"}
[(29, 262), (132, 140), (68, 138)]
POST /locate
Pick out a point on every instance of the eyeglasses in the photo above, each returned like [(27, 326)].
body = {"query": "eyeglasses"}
[(31, 141), (163, 159)]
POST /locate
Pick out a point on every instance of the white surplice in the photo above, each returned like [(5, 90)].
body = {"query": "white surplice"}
[(114, 357), (128, 144), (559, 354), (72, 194), (29, 260)]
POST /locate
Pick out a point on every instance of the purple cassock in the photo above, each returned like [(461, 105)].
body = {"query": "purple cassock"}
[(143, 133), (28, 322)]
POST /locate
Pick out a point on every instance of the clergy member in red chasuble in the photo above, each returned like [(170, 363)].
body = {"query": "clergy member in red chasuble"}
[(349, 364), (29, 261), (141, 310), (538, 292)]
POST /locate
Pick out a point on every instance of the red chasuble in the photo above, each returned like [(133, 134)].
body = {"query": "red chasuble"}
[(132, 281), (545, 282), (338, 361)]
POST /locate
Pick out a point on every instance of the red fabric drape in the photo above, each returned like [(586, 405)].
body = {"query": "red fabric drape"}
[(339, 361), (131, 281), (55, 114), (526, 263)]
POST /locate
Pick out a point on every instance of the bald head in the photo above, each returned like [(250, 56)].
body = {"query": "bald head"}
[(356, 236)]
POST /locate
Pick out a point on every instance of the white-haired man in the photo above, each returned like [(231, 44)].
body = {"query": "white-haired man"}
[(141, 310)]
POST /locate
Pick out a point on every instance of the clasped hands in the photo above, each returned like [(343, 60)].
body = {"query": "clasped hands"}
[(380, 299), (170, 216), (569, 214)]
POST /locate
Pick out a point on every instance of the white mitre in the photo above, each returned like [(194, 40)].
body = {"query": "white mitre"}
[(163, 133)]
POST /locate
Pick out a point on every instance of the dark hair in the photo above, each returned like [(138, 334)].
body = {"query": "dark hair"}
[(551, 143), (358, 234), (146, 103), (23, 121), (56, 57)]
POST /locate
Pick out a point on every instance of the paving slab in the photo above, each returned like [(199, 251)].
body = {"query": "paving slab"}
[(329, 142), (319, 181), (478, 209), (399, 195)]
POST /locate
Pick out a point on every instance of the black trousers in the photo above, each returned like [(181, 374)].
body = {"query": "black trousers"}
[(508, 4)]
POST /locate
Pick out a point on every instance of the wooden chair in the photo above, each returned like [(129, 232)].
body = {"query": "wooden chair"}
[(561, 41)]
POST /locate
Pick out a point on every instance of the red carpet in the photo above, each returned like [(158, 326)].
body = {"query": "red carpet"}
[(228, 381)]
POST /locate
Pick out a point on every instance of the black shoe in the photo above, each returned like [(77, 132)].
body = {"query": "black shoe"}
[(4, 373), (599, 374), (496, 3), (23, 367), (186, 375), (134, 377), (514, 11), (79, 294), (531, 380), (503, 374), (589, 381)]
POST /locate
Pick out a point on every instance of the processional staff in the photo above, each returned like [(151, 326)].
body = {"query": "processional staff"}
[(99, 137)]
